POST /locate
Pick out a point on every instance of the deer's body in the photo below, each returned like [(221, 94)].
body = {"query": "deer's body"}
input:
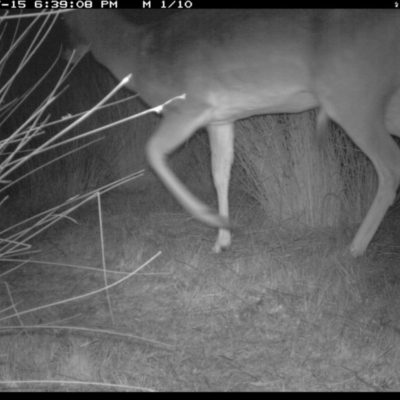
[(233, 64)]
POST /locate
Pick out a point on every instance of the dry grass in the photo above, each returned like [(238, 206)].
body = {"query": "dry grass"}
[(297, 183), (268, 315)]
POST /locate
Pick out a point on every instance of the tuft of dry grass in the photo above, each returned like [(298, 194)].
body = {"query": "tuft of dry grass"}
[(295, 182)]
